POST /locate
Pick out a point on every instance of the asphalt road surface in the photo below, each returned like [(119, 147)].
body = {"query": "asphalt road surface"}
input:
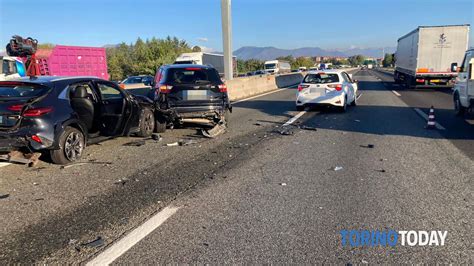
[(254, 195)]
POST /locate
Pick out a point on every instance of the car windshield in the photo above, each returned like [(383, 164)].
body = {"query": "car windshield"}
[(320, 78), (270, 66), (192, 76), (134, 80), (21, 90)]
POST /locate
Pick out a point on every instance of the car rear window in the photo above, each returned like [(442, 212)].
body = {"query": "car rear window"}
[(321, 78), (192, 76), (21, 90)]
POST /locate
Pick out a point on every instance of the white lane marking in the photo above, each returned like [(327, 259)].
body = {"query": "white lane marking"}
[(425, 116), (359, 96), (396, 93), (260, 95), (118, 248), (294, 118), (4, 164)]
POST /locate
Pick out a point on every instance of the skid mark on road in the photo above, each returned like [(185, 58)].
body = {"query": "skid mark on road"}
[(117, 249), (425, 116)]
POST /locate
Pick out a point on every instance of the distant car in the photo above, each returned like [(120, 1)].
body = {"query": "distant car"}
[(330, 87), (62, 114), (136, 82), (189, 92)]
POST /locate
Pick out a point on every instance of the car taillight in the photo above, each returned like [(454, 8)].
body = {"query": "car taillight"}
[(36, 139), (35, 112), (301, 87), (16, 107), (164, 88), (338, 87), (223, 88), (193, 68), (122, 86)]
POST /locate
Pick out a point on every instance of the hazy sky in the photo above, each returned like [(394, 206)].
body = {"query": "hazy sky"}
[(329, 24)]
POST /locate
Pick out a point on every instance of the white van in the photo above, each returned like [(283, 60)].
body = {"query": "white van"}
[(463, 91)]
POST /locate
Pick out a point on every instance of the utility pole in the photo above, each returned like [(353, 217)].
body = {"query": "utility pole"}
[(227, 37)]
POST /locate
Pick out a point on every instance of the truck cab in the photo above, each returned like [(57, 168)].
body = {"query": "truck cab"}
[(463, 91), (11, 68)]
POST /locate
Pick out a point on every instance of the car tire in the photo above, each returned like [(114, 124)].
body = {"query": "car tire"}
[(458, 108), (354, 102), (300, 108), (147, 123), (160, 125), (71, 146)]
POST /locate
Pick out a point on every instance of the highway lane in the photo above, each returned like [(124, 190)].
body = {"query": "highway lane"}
[(51, 210), (282, 201), (459, 130)]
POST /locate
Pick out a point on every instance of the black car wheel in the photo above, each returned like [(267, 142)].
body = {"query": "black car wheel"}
[(71, 146), (147, 123), (458, 108)]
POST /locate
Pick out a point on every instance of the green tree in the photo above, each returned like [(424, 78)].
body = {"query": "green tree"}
[(356, 60), (197, 49), (388, 60)]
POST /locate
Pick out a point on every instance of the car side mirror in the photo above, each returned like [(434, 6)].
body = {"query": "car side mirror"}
[(454, 67), (355, 81)]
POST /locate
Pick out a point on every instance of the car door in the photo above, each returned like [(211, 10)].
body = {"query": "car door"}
[(114, 109)]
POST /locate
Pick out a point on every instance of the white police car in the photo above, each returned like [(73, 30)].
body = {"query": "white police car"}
[(327, 87)]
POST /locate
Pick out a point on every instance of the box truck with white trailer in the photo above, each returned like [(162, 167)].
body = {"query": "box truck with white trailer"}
[(277, 67), (201, 58), (424, 56)]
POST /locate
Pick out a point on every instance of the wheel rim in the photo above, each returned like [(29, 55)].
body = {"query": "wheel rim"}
[(73, 146), (148, 122)]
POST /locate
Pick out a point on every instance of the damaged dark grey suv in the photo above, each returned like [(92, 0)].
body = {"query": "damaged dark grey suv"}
[(189, 92), (62, 114)]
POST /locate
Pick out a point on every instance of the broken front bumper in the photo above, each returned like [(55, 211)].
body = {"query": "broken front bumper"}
[(10, 143)]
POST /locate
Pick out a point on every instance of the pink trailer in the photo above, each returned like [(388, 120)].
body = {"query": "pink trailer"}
[(65, 60)]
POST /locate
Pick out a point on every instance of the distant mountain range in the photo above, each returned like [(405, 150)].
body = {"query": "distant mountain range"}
[(269, 53)]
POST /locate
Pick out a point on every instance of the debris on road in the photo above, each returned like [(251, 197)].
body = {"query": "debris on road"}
[(4, 196), (84, 163), (185, 142), (285, 131), (381, 170), (357, 120), (282, 184), (257, 124), (172, 144), (121, 182), (30, 159), (94, 243), (156, 137), (337, 168), (137, 143), (308, 128), (214, 132), (383, 159), (370, 146)]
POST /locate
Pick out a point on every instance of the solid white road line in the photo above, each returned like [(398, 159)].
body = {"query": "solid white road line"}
[(294, 118), (120, 247), (260, 95), (396, 93), (425, 116), (359, 96), (4, 164)]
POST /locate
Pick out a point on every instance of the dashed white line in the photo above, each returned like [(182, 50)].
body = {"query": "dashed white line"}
[(118, 248), (294, 118), (425, 116), (396, 93)]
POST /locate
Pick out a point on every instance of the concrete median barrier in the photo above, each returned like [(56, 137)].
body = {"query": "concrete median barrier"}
[(240, 88)]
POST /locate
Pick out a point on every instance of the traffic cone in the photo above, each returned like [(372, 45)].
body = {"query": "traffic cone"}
[(431, 119)]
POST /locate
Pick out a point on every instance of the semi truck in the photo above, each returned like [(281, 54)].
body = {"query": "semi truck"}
[(201, 58), (277, 67), (424, 55)]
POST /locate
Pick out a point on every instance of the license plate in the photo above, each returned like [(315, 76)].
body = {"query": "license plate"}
[(435, 80), (196, 94)]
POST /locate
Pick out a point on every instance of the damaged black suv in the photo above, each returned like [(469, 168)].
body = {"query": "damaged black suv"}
[(62, 114), (184, 92)]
